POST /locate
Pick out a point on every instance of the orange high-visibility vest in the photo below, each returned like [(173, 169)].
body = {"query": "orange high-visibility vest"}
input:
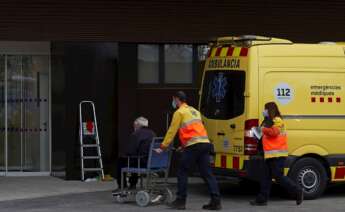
[(275, 140), (192, 131), (187, 122)]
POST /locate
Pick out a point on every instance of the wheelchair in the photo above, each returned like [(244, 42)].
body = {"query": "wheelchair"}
[(152, 189)]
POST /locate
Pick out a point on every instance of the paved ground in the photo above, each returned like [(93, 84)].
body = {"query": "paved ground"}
[(12, 188), (235, 198)]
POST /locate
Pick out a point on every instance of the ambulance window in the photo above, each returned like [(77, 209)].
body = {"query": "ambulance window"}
[(223, 94)]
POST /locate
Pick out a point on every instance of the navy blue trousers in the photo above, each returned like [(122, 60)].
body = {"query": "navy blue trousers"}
[(196, 155), (275, 169)]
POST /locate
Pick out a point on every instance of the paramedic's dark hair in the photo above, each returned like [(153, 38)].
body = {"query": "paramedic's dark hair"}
[(273, 110), (181, 96)]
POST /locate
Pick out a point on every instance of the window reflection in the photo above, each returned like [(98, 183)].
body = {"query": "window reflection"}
[(178, 64), (148, 66)]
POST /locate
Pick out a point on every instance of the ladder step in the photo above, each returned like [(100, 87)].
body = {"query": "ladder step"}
[(91, 157), (92, 169), (90, 145)]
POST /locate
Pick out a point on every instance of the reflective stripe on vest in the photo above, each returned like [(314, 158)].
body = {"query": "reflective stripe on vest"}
[(276, 151), (275, 147), (191, 131), (191, 122), (197, 138)]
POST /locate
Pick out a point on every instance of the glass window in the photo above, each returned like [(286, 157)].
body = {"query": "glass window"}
[(223, 94), (202, 52), (148, 66), (178, 64)]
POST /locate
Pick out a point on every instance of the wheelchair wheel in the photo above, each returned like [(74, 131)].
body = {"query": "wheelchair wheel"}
[(167, 196), (143, 198)]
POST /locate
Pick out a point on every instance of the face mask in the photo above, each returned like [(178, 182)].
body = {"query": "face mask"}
[(265, 113), (173, 104)]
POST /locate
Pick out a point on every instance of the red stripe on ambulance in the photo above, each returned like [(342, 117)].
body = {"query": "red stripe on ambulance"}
[(223, 161), (215, 52), (236, 162), (314, 99), (230, 51), (244, 52), (339, 173), (218, 51)]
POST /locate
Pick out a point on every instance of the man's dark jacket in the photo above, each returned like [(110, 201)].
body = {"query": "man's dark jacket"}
[(140, 141)]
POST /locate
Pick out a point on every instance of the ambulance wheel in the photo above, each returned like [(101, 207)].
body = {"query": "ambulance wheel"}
[(142, 198), (311, 175)]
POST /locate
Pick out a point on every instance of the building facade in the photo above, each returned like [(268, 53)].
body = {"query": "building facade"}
[(128, 57)]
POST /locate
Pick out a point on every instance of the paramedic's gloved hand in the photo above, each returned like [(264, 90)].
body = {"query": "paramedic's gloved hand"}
[(158, 150), (179, 149)]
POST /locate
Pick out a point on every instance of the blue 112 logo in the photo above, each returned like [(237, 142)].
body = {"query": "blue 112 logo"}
[(283, 92)]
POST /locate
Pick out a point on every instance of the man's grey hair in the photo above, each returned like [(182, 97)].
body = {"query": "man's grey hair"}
[(141, 122)]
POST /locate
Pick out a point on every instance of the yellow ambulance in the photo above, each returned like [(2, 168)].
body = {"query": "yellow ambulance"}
[(307, 81)]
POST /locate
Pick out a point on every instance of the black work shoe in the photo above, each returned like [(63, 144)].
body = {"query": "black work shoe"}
[(258, 203), (178, 204), (214, 205), (300, 196)]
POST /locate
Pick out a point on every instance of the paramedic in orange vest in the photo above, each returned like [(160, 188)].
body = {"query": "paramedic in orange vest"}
[(275, 148), (196, 149)]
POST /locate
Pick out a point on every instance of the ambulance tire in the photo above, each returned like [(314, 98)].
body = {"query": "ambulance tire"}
[(311, 175)]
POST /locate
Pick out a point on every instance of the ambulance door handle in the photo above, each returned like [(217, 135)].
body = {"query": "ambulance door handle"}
[(232, 126), (221, 133)]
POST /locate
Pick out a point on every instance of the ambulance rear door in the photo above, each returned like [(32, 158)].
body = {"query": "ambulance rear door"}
[(222, 99)]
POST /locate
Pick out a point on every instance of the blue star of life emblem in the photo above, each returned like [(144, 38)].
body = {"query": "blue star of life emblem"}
[(219, 87)]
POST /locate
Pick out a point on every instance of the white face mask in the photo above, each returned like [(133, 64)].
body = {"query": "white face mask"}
[(173, 104), (265, 113)]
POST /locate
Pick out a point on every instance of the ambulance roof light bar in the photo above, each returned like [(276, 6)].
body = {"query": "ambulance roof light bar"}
[(328, 42), (243, 38), (249, 40), (254, 37)]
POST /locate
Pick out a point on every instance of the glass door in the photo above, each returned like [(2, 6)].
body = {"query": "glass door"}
[(26, 141)]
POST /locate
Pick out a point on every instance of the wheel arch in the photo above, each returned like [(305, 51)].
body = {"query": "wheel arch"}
[(320, 158)]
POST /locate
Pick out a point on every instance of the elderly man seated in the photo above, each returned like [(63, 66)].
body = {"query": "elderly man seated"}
[(138, 145)]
